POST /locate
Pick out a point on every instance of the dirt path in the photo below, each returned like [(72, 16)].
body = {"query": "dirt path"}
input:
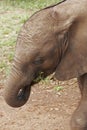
[(46, 109)]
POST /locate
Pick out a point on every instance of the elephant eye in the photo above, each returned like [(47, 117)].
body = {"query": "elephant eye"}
[(38, 60)]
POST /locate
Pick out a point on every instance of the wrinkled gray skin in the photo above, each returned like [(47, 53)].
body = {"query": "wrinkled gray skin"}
[(52, 40)]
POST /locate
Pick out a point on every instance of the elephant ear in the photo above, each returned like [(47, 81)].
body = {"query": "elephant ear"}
[(73, 62)]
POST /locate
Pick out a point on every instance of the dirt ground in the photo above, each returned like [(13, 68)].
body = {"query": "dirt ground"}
[(47, 108)]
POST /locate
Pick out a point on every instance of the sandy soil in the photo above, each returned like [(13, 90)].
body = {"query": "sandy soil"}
[(47, 109)]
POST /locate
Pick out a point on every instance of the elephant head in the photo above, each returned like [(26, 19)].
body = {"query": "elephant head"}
[(52, 40)]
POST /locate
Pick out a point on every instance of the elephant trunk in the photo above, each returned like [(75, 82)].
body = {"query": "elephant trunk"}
[(16, 91)]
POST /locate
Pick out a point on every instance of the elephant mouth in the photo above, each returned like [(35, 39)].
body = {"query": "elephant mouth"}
[(24, 93), (40, 76)]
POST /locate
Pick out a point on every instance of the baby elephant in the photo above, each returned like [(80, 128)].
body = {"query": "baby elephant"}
[(54, 39)]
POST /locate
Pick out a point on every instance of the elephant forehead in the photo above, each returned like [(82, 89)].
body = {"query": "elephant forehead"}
[(32, 37)]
